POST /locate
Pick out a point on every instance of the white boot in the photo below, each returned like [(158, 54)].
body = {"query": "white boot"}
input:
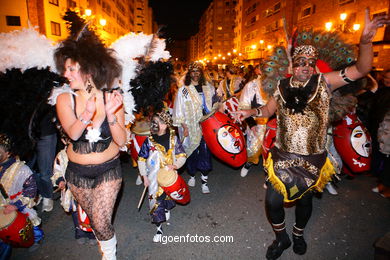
[(191, 182), (205, 187), (108, 248), (47, 204)]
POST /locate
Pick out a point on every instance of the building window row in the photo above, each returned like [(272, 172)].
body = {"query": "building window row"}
[(106, 8), (273, 9), (251, 9)]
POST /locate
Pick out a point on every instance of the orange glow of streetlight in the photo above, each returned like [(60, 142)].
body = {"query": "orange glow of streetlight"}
[(261, 41), (234, 50), (328, 26), (88, 12), (343, 16), (356, 27), (223, 58), (269, 47), (240, 54), (253, 47), (229, 54), (219, 55), (103, 22)]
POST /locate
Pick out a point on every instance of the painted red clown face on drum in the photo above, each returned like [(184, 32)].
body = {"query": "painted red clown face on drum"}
[(303, 67), (353, 143), (228, 138)]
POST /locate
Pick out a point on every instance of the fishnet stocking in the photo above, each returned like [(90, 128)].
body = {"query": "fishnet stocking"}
[(99, 203)]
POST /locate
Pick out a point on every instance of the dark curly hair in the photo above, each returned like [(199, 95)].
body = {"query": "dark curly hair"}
[(84, 47), (202, 79)]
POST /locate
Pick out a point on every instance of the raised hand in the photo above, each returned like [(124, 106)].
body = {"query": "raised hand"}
[(371, 26), (113, 101)]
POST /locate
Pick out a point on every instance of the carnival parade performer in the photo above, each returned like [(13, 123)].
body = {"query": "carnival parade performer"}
[(298, 163), (162, 149), (19, 189), (231, 85), (252, 96), (194, 99), (91, 114)]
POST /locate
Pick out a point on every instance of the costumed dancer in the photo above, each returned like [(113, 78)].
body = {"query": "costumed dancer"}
[(298, 164), (18, 193), (229, 90), (194, 99), (67, 199), (26, 77), (252, 96), (91, 113), (160, 150)]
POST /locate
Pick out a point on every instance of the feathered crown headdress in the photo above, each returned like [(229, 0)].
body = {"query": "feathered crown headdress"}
[(331, 50)]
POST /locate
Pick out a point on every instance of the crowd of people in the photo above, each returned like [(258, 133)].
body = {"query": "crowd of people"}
[(90, 110)]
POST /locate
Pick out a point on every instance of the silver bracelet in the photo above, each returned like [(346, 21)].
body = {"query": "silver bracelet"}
[(113, 122), (85, 122)]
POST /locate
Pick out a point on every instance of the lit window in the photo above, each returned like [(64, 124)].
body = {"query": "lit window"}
[(55, 29)]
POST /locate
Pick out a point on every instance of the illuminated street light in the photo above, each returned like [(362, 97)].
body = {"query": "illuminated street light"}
[(215, 58), (328, 26), (269, 47), (88, 12), (219, 55), (253, 47), (343, 16), (240, 54), (229, 54), (261, 41), (223, 58), (356, 27), (103, 22), (234, 50)]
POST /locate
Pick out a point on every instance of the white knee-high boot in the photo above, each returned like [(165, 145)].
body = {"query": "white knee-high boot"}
[(108, 248)]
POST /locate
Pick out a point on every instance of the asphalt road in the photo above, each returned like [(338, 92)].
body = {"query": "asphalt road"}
[(342, 227)]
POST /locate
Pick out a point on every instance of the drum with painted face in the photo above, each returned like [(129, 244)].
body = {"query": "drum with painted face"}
[(353, 143), (173, 185), (224, 138), (16, 229)]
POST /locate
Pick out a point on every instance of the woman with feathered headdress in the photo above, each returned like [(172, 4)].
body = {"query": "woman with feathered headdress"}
[(91, 114)]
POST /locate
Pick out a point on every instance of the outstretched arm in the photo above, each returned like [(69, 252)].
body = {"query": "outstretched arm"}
[(364, 62), (265, 111)]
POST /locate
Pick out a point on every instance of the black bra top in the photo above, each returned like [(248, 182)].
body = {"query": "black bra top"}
[(83, 146)]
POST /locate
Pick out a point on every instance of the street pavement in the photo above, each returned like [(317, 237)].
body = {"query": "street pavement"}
[(345, 226)]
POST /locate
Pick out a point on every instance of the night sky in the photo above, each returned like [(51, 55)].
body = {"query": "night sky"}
[(180, 17)]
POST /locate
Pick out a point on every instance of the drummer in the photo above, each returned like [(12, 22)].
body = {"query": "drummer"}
[(162, 149), (194, 99), (18, 190)]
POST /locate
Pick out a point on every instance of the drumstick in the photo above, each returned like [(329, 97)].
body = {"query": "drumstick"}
[(142, 198)]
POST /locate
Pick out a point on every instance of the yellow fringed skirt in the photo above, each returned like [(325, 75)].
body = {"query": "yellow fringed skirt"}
[(294, 175)]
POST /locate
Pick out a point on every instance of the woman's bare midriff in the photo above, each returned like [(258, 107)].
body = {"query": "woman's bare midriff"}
[(93, 158)]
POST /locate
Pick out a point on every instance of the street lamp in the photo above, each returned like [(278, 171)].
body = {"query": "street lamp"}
[(343, 16), (88, 12), (103, 22), (356, 27), (328, 26)]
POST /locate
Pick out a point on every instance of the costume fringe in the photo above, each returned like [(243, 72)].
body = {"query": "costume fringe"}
[(326, 173), (91, 183)]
